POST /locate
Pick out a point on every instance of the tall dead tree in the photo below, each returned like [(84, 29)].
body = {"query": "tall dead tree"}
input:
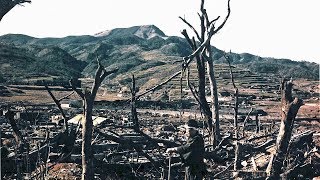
[(289, 109), (88, 97), (204, 61), (7, 5)]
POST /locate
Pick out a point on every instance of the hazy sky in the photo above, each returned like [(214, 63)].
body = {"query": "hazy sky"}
[(268, 28)]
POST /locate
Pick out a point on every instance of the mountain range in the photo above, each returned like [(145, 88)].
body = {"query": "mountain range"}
[(144, 51)]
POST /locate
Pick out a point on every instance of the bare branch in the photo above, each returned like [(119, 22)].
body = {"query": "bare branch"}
[(214, 20), (59, 107), (194, 30), (97, 78), (159, 85), (65, 97), (195, 95), (101, 74), (231, 73), (186, 36), (225, 20), (204, 16)]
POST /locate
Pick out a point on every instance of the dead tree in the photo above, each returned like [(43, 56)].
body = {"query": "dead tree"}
[(204, 61), (88, 98), (7, 5), (289, 109), (237, 159)]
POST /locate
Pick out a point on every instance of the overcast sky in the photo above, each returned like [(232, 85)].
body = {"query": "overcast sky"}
[(268, 28)]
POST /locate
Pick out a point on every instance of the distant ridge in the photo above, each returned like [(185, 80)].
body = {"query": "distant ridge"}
[(144, 32), (141, 50)]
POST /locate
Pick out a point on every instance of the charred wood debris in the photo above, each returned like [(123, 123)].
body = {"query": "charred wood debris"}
[(34, 140)]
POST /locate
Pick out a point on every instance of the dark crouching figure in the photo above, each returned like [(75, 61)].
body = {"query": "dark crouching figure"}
[(192, 152)]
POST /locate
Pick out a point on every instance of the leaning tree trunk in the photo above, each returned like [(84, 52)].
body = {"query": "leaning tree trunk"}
[(289, 110)]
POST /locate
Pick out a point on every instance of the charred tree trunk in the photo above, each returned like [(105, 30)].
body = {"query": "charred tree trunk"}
[(134, 115), (289, 109), (88, 98), (87, 128), (214, 95), (257, 123)]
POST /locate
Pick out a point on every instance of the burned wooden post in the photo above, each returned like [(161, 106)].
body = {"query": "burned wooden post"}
[(134, 115), (257, 123), (289, 109), (88, 98)]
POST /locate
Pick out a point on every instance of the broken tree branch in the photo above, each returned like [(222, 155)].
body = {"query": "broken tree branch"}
[(194, 30), (159, 85), (66, 96), (59, 107)]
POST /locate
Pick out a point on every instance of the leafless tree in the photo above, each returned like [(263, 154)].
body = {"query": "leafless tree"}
[(204, 60), (88, 97)]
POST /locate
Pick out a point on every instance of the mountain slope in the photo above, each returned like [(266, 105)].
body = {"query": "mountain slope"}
[(19, 63), (141, 50)]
